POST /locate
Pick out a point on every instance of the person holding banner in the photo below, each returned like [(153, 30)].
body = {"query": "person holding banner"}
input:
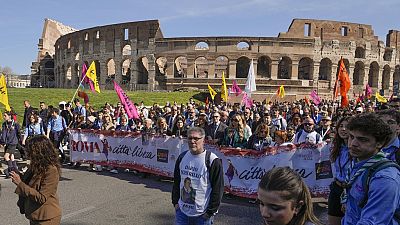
[(260, 139), (198, 182), (284, 198), (341, 159), (236, 135)]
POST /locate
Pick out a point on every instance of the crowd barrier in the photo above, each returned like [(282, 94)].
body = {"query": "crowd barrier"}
[(243, 168)]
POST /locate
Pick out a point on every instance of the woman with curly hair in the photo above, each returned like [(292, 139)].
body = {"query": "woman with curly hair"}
[(236, 134), (37, 189)]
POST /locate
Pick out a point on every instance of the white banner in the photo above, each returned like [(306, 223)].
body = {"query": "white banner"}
[(242, 168)]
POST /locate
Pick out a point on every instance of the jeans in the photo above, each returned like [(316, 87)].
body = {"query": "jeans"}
[(183, 219)]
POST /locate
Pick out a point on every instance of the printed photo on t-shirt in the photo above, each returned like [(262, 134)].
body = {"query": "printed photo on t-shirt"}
[(188, 194)]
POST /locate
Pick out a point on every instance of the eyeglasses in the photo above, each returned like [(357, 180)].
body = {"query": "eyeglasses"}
[(194, 138), (325, 120), (308, 124), (215, 116)]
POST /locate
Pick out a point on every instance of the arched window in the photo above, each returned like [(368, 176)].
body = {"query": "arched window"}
[(373, 75), (285, 68), (201, 46), (325, 69), (359, 73), (201, 67), (360, 53), (221, 66), (386, 77), (143, 70), (243, 46), (264, 67), (161, 66), (305, 69), (180, 67), (242, 67)]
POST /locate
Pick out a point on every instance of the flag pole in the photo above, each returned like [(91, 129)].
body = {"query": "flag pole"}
[(76, 91)]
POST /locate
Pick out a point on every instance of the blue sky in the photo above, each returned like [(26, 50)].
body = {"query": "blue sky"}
[(21, 21)]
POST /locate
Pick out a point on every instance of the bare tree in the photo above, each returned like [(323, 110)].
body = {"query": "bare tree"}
[(6, 70)]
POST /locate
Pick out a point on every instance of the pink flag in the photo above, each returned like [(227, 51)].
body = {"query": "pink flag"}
[(236, 89), (247, 101), (315, 98), (87, 80), (130, 108), (368, 91)]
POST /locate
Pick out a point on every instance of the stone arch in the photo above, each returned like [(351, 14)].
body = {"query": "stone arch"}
[(264, 67), (126, 71), (386, 77), (360, 53), (143, 70), (285, 68), (77, 56), (161, 66), (396, 78), (242, 67), (243, 45), (111, 68), (201, 67), (373, 75), (325, 69), (62, 76), (359, 73), (77, 74), (221, 66), (305, 68), (49, 64), (202, 45), (127, 50), (180, 66)]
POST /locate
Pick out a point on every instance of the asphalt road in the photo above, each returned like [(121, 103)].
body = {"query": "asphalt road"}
[(89, 198)]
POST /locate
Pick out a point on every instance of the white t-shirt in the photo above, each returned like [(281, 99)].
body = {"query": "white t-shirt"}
[(195, 186)]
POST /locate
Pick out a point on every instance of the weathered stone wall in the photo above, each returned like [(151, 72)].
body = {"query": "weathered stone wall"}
[(304, 58)]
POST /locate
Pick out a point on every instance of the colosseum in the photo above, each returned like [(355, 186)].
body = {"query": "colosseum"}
[(139, 57)]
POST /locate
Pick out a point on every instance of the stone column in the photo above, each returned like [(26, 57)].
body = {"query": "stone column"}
[(118, 71), (211, 68), (315, 75), (103, 74), (134, 73), (391, 75), (295, 71), (232, 69), (255, 63), (190, 71), (151, 72), (366, 75), (380, 79), (351, 74), (274, 69), (333, 76), (170, 68)]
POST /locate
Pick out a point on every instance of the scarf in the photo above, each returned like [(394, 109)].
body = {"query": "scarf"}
[(351, 179)]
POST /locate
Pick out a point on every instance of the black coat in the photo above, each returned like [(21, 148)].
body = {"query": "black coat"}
[(216, 134)]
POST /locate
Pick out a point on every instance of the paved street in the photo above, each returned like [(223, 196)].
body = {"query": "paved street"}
[(90, 198)]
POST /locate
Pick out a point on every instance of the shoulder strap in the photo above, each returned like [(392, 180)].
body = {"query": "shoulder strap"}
[(208, 154), (317, 137), (180, 157), (299, 135), (371, 171), (397, 156)]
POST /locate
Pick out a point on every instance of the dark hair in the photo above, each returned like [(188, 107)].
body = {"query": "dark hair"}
[(42, 155), (370, 123), (390, 112), (293, 188), (54, 110), (337, 140)]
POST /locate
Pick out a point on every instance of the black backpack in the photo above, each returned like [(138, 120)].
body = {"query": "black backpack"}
[(208, 154)]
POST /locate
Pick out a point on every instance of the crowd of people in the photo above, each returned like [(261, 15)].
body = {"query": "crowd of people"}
[(364, 138)]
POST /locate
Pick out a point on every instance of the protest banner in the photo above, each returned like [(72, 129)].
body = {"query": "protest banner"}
[(243, 168)]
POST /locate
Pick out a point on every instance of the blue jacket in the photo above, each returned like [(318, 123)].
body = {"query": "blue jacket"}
[(10, 133), (391, 149), (342, 164), (383, 198)]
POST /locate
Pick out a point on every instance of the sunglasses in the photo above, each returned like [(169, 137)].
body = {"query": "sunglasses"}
[(308, 124)]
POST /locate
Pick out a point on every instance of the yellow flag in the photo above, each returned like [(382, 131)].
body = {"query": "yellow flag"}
[(224, 91), (281, 91), (212, 92), (92, 75), (4, 93), (380, 98)]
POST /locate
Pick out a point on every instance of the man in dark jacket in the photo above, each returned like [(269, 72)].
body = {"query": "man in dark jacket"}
[(27, 112), (215, 131)]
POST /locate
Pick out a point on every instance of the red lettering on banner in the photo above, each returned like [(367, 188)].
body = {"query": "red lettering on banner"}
[(84, 146)]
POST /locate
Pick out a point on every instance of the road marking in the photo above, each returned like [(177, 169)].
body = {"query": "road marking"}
[(69, 215)]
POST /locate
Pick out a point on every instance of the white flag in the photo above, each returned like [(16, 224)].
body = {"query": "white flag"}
[(251, 81)]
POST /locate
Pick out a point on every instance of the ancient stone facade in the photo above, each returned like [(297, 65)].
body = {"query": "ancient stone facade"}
[(304, 58), (42, 70)]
